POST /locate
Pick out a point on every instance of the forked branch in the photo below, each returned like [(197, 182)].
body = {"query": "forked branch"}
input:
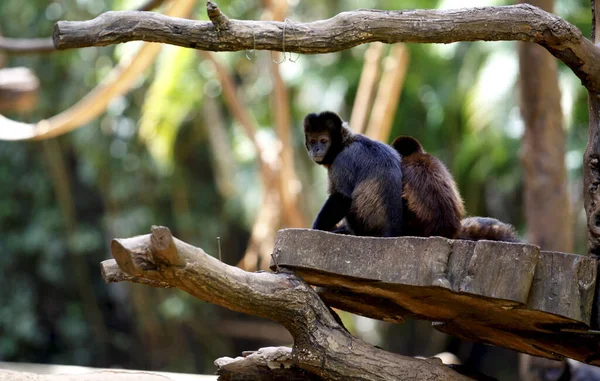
[(321, 345)]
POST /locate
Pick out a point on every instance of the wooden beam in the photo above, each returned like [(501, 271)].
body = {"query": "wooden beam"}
[(506, 294)]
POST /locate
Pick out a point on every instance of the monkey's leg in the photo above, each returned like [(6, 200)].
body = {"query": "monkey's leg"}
[(335, 208)]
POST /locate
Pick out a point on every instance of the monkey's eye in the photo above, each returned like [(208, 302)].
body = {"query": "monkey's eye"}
[(312, 141), (323, 141)]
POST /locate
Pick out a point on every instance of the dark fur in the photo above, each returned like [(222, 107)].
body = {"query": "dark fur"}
[(364, 176), (432, 203)]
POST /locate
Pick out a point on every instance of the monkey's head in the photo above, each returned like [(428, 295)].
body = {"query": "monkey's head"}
[(407, 145), (323, 135)]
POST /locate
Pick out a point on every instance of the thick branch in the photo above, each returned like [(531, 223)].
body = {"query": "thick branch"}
[(348, 29), (321, 345)]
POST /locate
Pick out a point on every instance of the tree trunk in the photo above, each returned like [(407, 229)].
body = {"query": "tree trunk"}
[(547, 207)]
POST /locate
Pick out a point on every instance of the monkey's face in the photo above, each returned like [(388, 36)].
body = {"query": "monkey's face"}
[(317, 145)]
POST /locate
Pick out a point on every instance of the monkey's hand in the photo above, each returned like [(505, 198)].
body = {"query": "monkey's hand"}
[(335, 208)]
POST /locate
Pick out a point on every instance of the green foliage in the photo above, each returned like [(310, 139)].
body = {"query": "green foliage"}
[(174, 91), (147, 160)]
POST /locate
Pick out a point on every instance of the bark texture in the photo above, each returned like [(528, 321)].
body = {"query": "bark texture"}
[(591, 158), (272, 363), (348, 29), (321, 346), (591, 168)]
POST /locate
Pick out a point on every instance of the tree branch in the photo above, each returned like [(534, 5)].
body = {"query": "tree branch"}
[(388, 94), (348, 29), (366, 88), (27, 45), (117, 82), (45, 44), (321, 345)]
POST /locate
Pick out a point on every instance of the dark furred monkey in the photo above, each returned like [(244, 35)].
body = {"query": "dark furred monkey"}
[(432, 204), (364, 178)]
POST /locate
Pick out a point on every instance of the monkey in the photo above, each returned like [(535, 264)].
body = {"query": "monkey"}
[(364, 178), (432, 203)]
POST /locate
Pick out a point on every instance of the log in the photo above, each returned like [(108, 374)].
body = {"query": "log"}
[(321, 346), (506, 294)]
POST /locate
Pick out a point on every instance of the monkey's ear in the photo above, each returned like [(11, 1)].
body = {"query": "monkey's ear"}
[(407, 145), (331, 120)]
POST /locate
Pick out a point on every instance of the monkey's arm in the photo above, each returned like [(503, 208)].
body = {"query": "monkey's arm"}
[(335, 208)]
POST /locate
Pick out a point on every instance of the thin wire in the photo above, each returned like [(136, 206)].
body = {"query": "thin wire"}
[(283, 43), (219, 246), (295, 33), (253, 51)]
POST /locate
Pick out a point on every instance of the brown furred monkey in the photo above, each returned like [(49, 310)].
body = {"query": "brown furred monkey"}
[(432, 203), (364, 178)]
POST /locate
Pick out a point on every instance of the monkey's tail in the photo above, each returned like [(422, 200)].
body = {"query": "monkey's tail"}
[(478, 228)]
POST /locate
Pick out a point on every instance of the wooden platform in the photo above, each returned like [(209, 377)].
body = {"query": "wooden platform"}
[(506, 294)]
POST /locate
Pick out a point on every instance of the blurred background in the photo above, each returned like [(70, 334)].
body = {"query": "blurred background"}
[(210, 144)]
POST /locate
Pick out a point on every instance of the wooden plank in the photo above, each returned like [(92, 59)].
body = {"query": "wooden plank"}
[(506, 294), (564, 284)]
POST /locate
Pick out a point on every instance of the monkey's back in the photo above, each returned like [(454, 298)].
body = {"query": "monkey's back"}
[(432, 204), (369, 173)]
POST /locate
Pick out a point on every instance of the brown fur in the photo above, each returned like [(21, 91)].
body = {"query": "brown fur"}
[(432, 203), (367, 203), (433, 206), (477, 228)]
